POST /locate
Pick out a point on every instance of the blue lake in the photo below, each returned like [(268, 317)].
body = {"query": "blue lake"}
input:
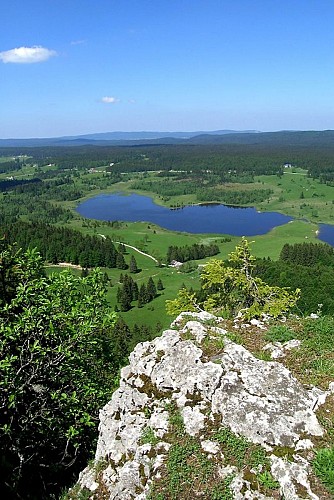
[(212, 218), (326, 233)]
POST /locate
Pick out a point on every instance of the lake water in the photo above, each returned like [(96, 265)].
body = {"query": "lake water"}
[(326, 234), (212, 218)]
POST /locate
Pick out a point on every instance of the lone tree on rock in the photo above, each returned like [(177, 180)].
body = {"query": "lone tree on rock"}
[(229, 288)]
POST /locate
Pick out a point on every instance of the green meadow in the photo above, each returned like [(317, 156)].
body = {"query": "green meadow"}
[(293, 193), (155, 241), (300, 196)]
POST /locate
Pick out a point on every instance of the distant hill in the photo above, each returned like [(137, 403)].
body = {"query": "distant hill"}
[(324, 138), (285, 137), (136, 136), (117, 138)]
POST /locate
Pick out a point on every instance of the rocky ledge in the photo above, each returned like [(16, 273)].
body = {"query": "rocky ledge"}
[(197, 415)]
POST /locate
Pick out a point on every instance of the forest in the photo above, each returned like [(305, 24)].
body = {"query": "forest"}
[(194, 252), (62, 244)]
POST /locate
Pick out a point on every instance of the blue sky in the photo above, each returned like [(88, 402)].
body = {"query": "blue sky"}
[(71, 67)]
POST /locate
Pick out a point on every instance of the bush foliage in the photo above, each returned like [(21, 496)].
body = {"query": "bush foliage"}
[(59, 360)]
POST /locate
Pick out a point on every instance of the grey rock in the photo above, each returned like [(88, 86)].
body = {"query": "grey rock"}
[(210, 446), (278, 349), (288, 474), (257, 399), (262, 401)]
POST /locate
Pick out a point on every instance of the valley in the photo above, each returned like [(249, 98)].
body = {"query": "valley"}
[(49, 184)]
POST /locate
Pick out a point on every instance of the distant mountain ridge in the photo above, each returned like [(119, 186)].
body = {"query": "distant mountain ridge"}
[(135, 136), (104, 138), (311, 138)]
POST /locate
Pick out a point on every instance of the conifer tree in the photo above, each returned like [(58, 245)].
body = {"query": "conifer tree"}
[(125, 300), (160, 285), (232, 290), (135, 290), (151, 289), (120, 261), (121, 248), (133, 265), (119, 294), (122, 337), (142, 296)]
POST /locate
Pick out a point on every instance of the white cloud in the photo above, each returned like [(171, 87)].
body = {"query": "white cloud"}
[(26, 55), (109, 99)]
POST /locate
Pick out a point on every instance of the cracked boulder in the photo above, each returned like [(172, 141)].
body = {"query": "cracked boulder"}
[(258, 400)]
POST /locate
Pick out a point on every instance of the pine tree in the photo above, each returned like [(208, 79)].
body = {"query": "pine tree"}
[(142, 296), (235, 289), (135, 290), (160, 285), (136, 336), (121, 248), (127, 288), (120, 261), (133, 265), (122, 337), (125, 300), (151, 289), (119, 294)]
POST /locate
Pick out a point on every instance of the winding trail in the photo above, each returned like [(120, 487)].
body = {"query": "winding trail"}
[(133, 248)]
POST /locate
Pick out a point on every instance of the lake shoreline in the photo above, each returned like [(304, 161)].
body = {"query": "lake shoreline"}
[(211, 217)]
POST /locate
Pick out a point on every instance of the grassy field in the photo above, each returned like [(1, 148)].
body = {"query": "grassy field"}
[(155, 241), (297, 195)]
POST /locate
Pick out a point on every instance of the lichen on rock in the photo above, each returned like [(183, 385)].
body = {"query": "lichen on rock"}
[(170, 390)]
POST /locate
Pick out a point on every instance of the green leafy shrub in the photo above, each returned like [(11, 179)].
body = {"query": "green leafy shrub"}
[(279, 333), (234, 290), (58, 363)]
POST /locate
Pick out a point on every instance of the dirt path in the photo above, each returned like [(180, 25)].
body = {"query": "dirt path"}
[(64, 264), (133, 248)]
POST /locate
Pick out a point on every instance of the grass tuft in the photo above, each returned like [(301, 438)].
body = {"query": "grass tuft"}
[(323, 465)]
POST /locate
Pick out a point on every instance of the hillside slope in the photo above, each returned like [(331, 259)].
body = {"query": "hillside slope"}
[(197, 415)]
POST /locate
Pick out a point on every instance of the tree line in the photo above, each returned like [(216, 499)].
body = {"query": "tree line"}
[(191, 252), (254, 159), (35, 198), (307, 254), (308, 266), (8, 184), (62, 244)]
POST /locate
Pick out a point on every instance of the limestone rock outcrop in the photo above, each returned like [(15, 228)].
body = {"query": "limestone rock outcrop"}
[(238, 425)]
